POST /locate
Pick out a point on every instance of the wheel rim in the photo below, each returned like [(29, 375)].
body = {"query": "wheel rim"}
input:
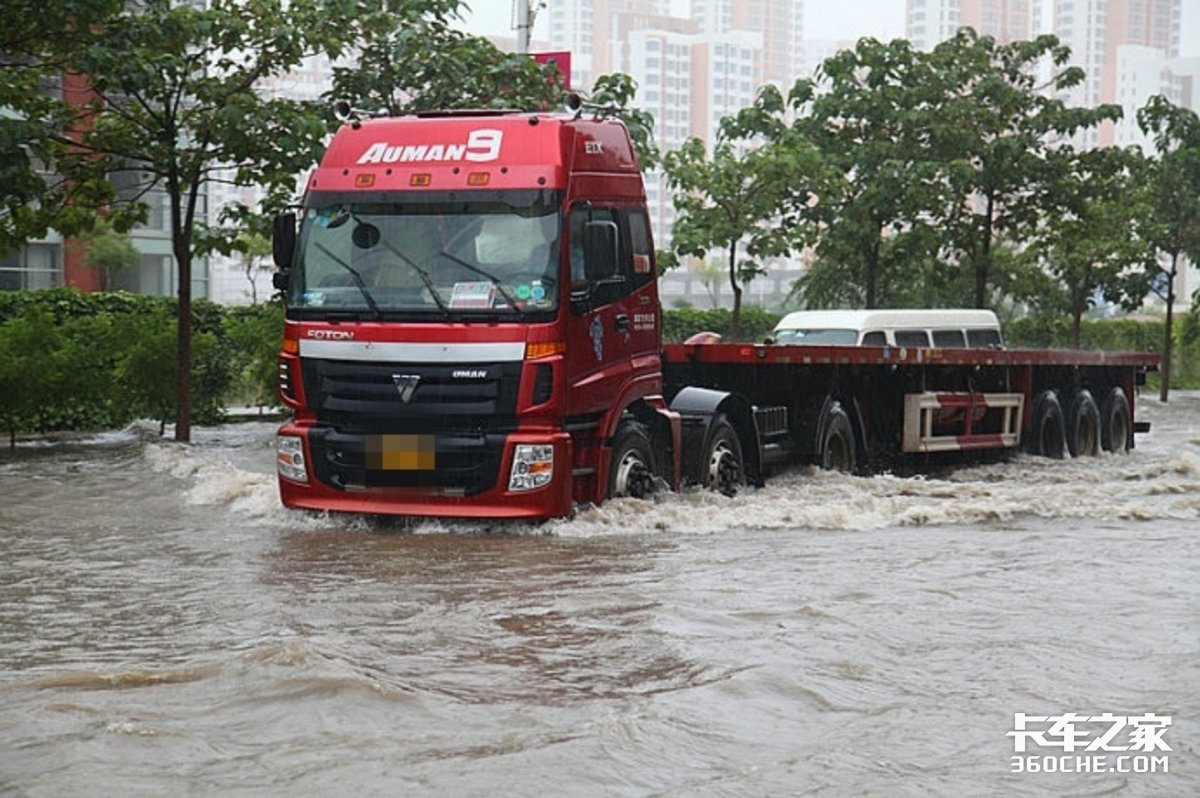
[(633, 477), (724, 469)]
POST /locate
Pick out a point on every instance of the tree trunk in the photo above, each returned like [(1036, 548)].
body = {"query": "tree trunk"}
[(1077, 307), (872, 268), (735, 321), (183, 370), (984, 262), (1164, 367)]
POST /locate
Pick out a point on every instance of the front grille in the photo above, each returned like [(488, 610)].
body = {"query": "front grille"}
[(469, 409), (366, 396)]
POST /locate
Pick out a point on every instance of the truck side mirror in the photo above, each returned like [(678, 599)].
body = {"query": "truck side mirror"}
[(283, 239), (600, 251), (281, 279)]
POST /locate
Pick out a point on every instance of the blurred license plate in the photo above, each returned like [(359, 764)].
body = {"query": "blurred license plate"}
[(401, 452)]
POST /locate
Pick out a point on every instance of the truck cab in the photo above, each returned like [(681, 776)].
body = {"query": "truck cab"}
[(472, 314)]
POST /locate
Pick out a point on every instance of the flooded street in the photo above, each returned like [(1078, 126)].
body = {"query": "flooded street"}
[(167, 627)]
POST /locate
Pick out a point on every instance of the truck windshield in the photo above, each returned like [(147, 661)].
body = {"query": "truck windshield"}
[(448, 259)]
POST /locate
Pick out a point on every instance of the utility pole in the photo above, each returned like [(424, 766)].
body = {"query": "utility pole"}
[(526, 13)]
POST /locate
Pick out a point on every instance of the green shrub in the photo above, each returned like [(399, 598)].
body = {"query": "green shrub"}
[(680, 324)]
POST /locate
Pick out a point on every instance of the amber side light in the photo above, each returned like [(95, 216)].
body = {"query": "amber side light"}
[(541, 349)]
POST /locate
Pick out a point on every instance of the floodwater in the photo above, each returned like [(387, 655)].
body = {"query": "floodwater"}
[(166, 627)]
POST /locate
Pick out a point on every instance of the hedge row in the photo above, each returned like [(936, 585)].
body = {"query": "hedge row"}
[(73, 360)]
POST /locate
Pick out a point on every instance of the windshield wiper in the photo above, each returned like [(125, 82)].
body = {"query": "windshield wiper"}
[(358, 280), (424, 275)]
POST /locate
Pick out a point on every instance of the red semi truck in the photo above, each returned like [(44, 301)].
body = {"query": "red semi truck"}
[(473, 330)]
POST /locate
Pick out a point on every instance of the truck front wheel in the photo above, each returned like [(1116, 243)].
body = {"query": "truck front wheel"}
[(632, 471)]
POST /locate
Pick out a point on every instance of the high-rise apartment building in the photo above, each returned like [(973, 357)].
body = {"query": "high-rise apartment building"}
[(931, 21), (1097, 31), (779, 22)]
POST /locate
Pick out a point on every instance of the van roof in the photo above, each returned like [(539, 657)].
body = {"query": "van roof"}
[(888, 318)]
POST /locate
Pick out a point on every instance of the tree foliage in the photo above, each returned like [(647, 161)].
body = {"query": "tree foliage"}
[(1088, 249), (411, 57), (164, 101), (753, 190), (1172, 181), (997, 133)]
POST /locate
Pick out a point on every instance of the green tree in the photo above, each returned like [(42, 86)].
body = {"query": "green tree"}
[(752, 190), (252, 249), (172, 108), (870, 125), (29, 82), (1088, 248), (411, 58), (110, 252), (1172, 180), (994, 125)]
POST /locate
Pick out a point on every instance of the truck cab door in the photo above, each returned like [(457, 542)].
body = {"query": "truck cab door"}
[(613, 321)]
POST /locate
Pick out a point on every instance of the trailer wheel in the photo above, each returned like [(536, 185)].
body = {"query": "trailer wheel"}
[(726, 471), (1115, 424), (837, 444), (1083, 426), (1049, 427), (632, 471)]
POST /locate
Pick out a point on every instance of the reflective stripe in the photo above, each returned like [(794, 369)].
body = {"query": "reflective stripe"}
[(414, 353)]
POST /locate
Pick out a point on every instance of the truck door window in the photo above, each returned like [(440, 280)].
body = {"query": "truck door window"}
[(874, 338), (641, 248), (581, 215)]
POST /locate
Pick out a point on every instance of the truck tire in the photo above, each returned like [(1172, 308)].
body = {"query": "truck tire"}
[(1048, 436), (838, 452), (1083, 425), (632, 472), (724, 467), (1115, 422)]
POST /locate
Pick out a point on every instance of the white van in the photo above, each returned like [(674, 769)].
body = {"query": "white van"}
[(945, 329)]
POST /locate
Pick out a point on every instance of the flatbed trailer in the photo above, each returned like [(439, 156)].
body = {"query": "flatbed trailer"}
[(866, 408)]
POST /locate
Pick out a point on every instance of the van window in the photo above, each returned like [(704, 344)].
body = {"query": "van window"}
[(983, 339), (874, 338), (911, 338), (816, 337), (949, 339)]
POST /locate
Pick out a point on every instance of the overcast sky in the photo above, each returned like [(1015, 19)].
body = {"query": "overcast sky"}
[(824, 19)]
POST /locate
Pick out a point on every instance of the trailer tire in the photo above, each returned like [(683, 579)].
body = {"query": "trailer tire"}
[(725, 469), (1115, 422), (1049, 427), (838, 452), (1083, 425), (632, 472)]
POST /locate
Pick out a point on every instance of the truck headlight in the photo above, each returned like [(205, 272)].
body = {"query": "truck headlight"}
[(533, 466), (289, 458)]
